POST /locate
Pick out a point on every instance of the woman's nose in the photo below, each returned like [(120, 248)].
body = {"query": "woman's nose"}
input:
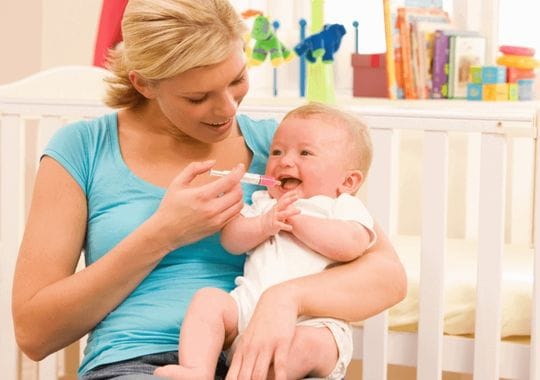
[(227, 105)]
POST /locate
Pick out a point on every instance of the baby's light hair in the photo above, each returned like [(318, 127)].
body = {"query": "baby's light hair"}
[(164, 38), (360, 149)]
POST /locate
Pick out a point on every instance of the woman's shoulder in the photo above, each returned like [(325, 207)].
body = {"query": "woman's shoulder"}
[(87, 130)]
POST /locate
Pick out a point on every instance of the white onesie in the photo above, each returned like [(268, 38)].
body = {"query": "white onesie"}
[(283, 257)]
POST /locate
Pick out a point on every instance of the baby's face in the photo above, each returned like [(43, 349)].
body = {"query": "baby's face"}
[(308, 156)]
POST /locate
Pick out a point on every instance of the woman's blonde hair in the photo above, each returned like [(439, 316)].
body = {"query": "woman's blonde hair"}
[(164, 38), (359, 147)]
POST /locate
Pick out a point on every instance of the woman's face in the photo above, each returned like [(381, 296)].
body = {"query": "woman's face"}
[(202, 102)]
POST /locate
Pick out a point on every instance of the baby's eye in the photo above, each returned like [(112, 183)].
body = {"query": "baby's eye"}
[(305, 153), (276, 152)]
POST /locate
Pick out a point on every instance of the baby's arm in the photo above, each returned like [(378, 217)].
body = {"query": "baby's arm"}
[(339, 240), (242, 233)]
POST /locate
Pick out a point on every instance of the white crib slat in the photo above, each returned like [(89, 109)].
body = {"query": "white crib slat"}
[(434, 215), (472, 185), (491, 245), (381, 181), (380, 190), (47, 368), (11, 223), (534, 354)]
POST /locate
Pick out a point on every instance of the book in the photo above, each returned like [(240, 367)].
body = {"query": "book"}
[(466, 49), (405, 17), (390, 52), (422, 36), (424, 3), (439, 76)]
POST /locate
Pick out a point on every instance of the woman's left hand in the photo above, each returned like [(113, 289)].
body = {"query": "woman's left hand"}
[(264, 345)]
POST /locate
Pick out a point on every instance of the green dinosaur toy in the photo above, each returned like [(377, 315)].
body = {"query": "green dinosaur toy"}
[(266, 42)]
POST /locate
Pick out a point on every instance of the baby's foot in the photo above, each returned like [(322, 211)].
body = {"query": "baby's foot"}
[(177, 372)]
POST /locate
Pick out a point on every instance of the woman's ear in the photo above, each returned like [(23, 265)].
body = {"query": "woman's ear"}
[(352, 182), (144, 86)]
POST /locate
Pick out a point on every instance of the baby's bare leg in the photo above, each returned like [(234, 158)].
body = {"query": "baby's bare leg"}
[(313, 353), (209, 324)]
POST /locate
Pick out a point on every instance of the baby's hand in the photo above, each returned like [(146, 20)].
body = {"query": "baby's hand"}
[(276, 219)]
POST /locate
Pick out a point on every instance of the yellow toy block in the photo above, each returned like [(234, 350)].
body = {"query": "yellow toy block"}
[(513, 91), (495, 91)]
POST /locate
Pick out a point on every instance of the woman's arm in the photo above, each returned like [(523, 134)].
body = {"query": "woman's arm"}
[(339, 240), (353, 291), (52, 305)]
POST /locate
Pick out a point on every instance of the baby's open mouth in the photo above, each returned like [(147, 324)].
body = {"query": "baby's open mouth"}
[(289, 183)]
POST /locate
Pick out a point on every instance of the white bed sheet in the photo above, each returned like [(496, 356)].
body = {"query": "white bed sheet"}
[(460, 287)]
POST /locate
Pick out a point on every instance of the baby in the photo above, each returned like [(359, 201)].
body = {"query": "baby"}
[(321, 156)]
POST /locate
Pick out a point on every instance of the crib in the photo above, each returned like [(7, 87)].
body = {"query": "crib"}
[(454, 184)]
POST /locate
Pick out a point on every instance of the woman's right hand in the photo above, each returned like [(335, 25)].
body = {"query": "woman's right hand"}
[(188, 213)]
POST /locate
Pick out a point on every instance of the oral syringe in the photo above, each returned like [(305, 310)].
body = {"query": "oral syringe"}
[(256, 179)]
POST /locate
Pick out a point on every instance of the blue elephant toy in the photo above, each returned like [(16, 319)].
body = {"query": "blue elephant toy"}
[(325, 43)]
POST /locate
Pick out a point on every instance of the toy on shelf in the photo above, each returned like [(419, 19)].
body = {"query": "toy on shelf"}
[(267, 43), (491, 83), (518, 61), (302, 66), (370, 77), (513, 74), (320, 76), (323, 44), (517, 50), (518, 57), (520, 64)]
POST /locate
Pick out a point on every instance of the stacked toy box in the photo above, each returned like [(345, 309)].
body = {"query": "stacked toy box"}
[(512, 78)]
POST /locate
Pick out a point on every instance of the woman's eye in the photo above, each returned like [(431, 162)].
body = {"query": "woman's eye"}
[(239, 80), (196, 101)]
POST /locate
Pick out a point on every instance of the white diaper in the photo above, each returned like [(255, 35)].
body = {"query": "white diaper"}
[(342, 333)]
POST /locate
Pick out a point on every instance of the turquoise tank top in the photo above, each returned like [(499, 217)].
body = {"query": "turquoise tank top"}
[(149, 319)]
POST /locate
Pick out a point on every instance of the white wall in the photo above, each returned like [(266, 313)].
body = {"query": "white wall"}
[(20, 51), (39, 34)]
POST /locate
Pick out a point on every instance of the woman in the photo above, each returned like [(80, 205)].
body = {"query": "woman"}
[(132, 190)]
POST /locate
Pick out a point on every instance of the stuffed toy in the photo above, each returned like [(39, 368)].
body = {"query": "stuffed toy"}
[(266, 42), (323, 44)]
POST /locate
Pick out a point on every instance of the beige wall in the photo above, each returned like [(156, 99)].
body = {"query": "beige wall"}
[(39, 34)]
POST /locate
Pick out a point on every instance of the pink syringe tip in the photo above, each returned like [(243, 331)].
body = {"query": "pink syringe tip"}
[(269, 181)]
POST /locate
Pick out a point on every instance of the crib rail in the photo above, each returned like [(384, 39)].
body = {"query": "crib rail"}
[(429, 350)]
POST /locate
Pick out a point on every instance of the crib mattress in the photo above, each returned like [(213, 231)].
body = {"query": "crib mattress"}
[(460, 287)]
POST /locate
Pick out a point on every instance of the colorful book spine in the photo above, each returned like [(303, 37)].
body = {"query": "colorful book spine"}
[(390, 58), (409, 87), (438, 68)]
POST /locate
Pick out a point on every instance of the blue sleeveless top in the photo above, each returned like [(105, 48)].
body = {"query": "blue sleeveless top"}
[(149, 319)]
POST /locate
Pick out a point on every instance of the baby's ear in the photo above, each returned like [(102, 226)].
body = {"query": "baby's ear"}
[(352, 182)]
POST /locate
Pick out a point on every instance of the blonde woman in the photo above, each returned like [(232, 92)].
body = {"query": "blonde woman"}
[(131, 189)]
